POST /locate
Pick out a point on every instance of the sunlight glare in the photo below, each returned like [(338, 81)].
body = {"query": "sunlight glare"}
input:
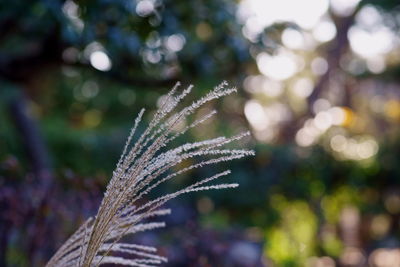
[(338, 143), (292, 39), (324, 31), (175, 42), (255, 114), (145, 8), (344, 7), (302, 87), (338, 115), (385, 257), (376, 64), (278, 67), (367, 148), (369, 17), (100, 60), (319, 66), (323, 120), (305, 13), (321, 105), (371, 43), (272, 88)]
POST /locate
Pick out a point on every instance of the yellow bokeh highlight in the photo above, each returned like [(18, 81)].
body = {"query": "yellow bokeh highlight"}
[(349, 117), (392, 109), (380, 225), (333, 204), (330, 241), (204, 31), (294, 238), (92, 118)]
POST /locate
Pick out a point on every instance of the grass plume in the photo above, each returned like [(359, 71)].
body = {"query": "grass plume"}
[(144, 165)]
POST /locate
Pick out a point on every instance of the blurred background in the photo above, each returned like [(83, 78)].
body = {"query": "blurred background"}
[(319, 88)]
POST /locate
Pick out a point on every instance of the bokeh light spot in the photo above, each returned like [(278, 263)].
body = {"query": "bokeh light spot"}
[(99, 60)]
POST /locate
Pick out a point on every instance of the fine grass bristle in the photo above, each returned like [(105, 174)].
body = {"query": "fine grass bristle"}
[(143, 166)]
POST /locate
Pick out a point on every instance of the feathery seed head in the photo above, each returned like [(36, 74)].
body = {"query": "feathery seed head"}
[(142, 167)]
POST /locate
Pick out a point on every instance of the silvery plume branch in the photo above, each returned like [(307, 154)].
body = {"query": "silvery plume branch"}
[(143, 166)]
